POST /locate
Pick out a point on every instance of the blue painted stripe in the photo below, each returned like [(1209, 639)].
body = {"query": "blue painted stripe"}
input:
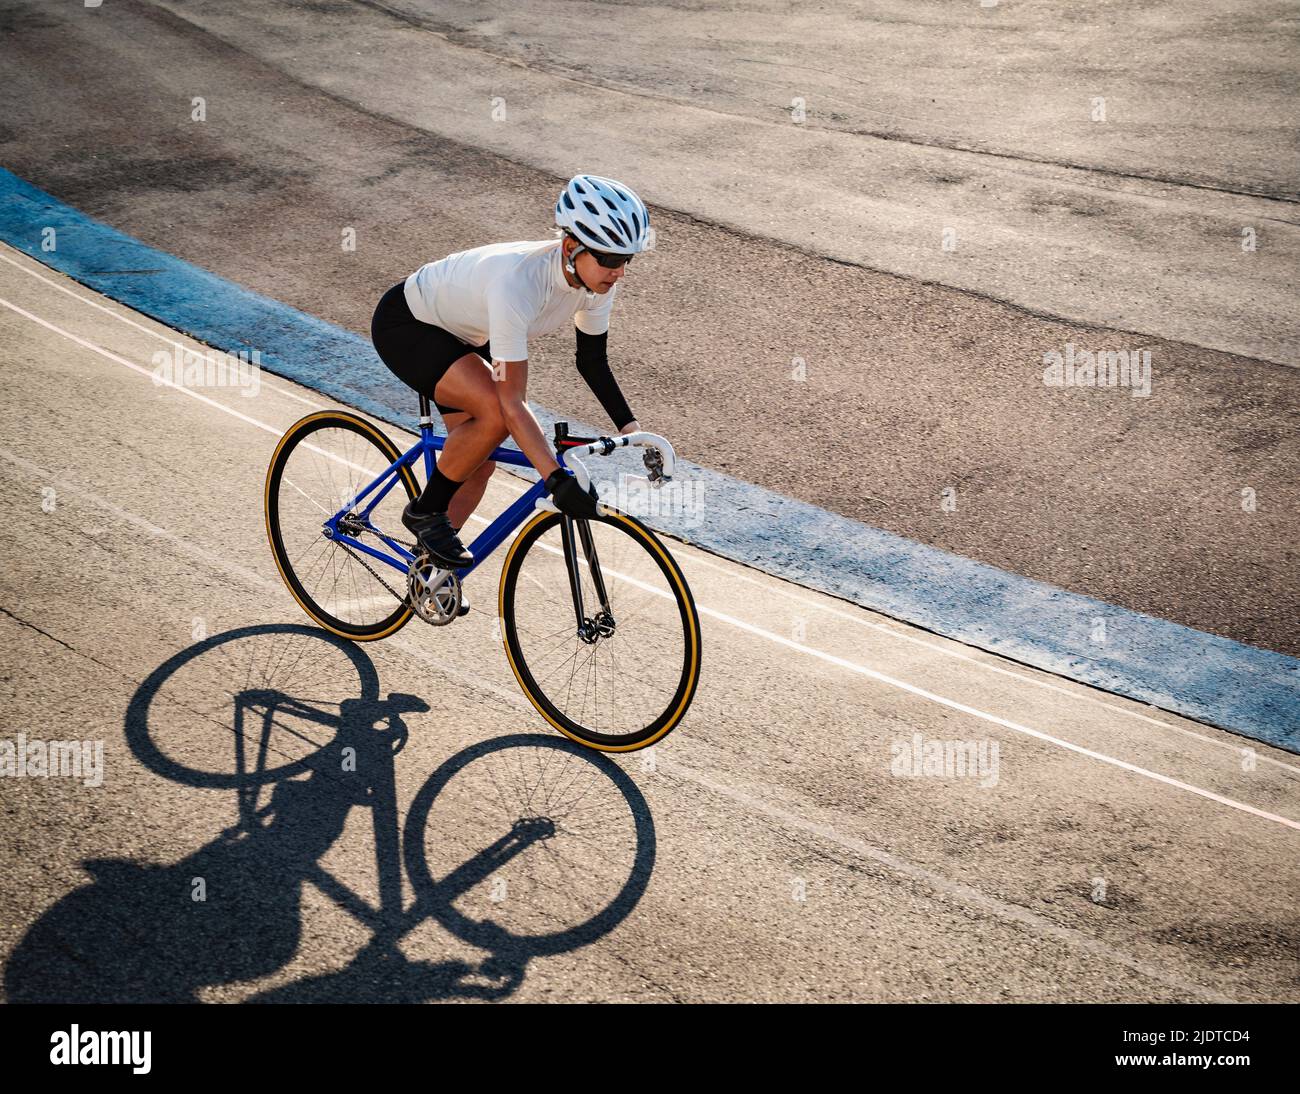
[(1212, 679)]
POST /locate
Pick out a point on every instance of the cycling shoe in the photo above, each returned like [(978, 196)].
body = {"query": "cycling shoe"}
[(436, 535)]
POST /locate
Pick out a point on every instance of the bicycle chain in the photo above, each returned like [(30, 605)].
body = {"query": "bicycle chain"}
[(402, 598)]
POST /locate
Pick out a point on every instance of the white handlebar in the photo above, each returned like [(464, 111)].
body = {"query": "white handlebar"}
[(606, 445), (603, 447)]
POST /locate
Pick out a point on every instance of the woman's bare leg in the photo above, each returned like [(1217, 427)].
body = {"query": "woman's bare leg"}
[(472, 433)]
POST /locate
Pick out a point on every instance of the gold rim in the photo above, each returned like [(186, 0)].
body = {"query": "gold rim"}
[(388, 449), (693, 624)]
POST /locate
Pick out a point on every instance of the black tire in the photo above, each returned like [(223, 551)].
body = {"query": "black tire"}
[(374, 444), (679, 679), (254, 664)]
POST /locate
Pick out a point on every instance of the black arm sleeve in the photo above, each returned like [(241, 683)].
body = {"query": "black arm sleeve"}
[(593, 366)]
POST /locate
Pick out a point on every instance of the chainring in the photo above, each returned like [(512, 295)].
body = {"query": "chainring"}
[(433, 593)]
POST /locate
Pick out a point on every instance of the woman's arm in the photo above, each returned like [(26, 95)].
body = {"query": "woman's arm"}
[(593, 366), (512, 388)]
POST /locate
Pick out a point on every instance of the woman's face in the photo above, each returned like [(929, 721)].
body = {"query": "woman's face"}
[(595, 276)]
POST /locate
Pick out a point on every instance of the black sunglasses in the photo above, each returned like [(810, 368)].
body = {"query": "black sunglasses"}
[(609, 261)]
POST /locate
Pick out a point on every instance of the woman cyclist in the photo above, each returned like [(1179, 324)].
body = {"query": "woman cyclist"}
[(457, 332)]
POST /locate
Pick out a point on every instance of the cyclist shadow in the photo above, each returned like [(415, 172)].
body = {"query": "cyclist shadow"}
[(142, 932), (232, 911)]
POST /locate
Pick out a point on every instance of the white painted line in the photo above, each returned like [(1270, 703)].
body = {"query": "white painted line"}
[(952, 704), (139, 368), (896, 630), (40, 473), (138, 326)]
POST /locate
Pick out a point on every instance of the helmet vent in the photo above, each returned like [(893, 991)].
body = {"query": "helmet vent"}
[(590, 232)]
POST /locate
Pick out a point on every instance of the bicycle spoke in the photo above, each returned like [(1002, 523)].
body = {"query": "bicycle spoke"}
[(320, 472), (312, 500), (624, 687)]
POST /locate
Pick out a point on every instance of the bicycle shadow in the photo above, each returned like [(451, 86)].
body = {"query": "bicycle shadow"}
[(381, 973), (232, 910)]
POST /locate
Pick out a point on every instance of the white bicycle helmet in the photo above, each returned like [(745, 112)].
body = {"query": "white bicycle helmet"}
[(603, 215)]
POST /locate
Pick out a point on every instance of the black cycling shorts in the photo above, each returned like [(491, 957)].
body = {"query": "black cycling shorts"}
[(417, 353)]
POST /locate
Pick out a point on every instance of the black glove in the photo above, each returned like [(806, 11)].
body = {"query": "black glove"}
[(570, 498)]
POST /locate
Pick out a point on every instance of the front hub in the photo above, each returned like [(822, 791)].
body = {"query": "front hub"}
[(592, 631)]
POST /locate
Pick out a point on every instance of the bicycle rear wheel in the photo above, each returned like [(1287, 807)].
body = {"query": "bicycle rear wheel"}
[(321, 463), (623, 679)]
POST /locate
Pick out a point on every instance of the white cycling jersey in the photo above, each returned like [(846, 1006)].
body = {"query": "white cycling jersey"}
[(505, 293)]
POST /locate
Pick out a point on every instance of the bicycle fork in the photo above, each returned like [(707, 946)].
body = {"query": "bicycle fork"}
[(589, 630)]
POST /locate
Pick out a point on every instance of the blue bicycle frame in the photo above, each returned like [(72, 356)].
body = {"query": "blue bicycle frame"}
[(427, 445)]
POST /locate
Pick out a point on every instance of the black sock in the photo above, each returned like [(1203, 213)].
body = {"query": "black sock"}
[(436, 495)]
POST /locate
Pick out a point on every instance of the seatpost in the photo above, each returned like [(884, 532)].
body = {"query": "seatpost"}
[(426, 435)]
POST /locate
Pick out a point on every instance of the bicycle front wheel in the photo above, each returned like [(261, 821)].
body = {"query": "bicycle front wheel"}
[(623, 676), (322, 463)]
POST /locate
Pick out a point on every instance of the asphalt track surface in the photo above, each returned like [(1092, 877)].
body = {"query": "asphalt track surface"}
[(766, 851), (782, 242)]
